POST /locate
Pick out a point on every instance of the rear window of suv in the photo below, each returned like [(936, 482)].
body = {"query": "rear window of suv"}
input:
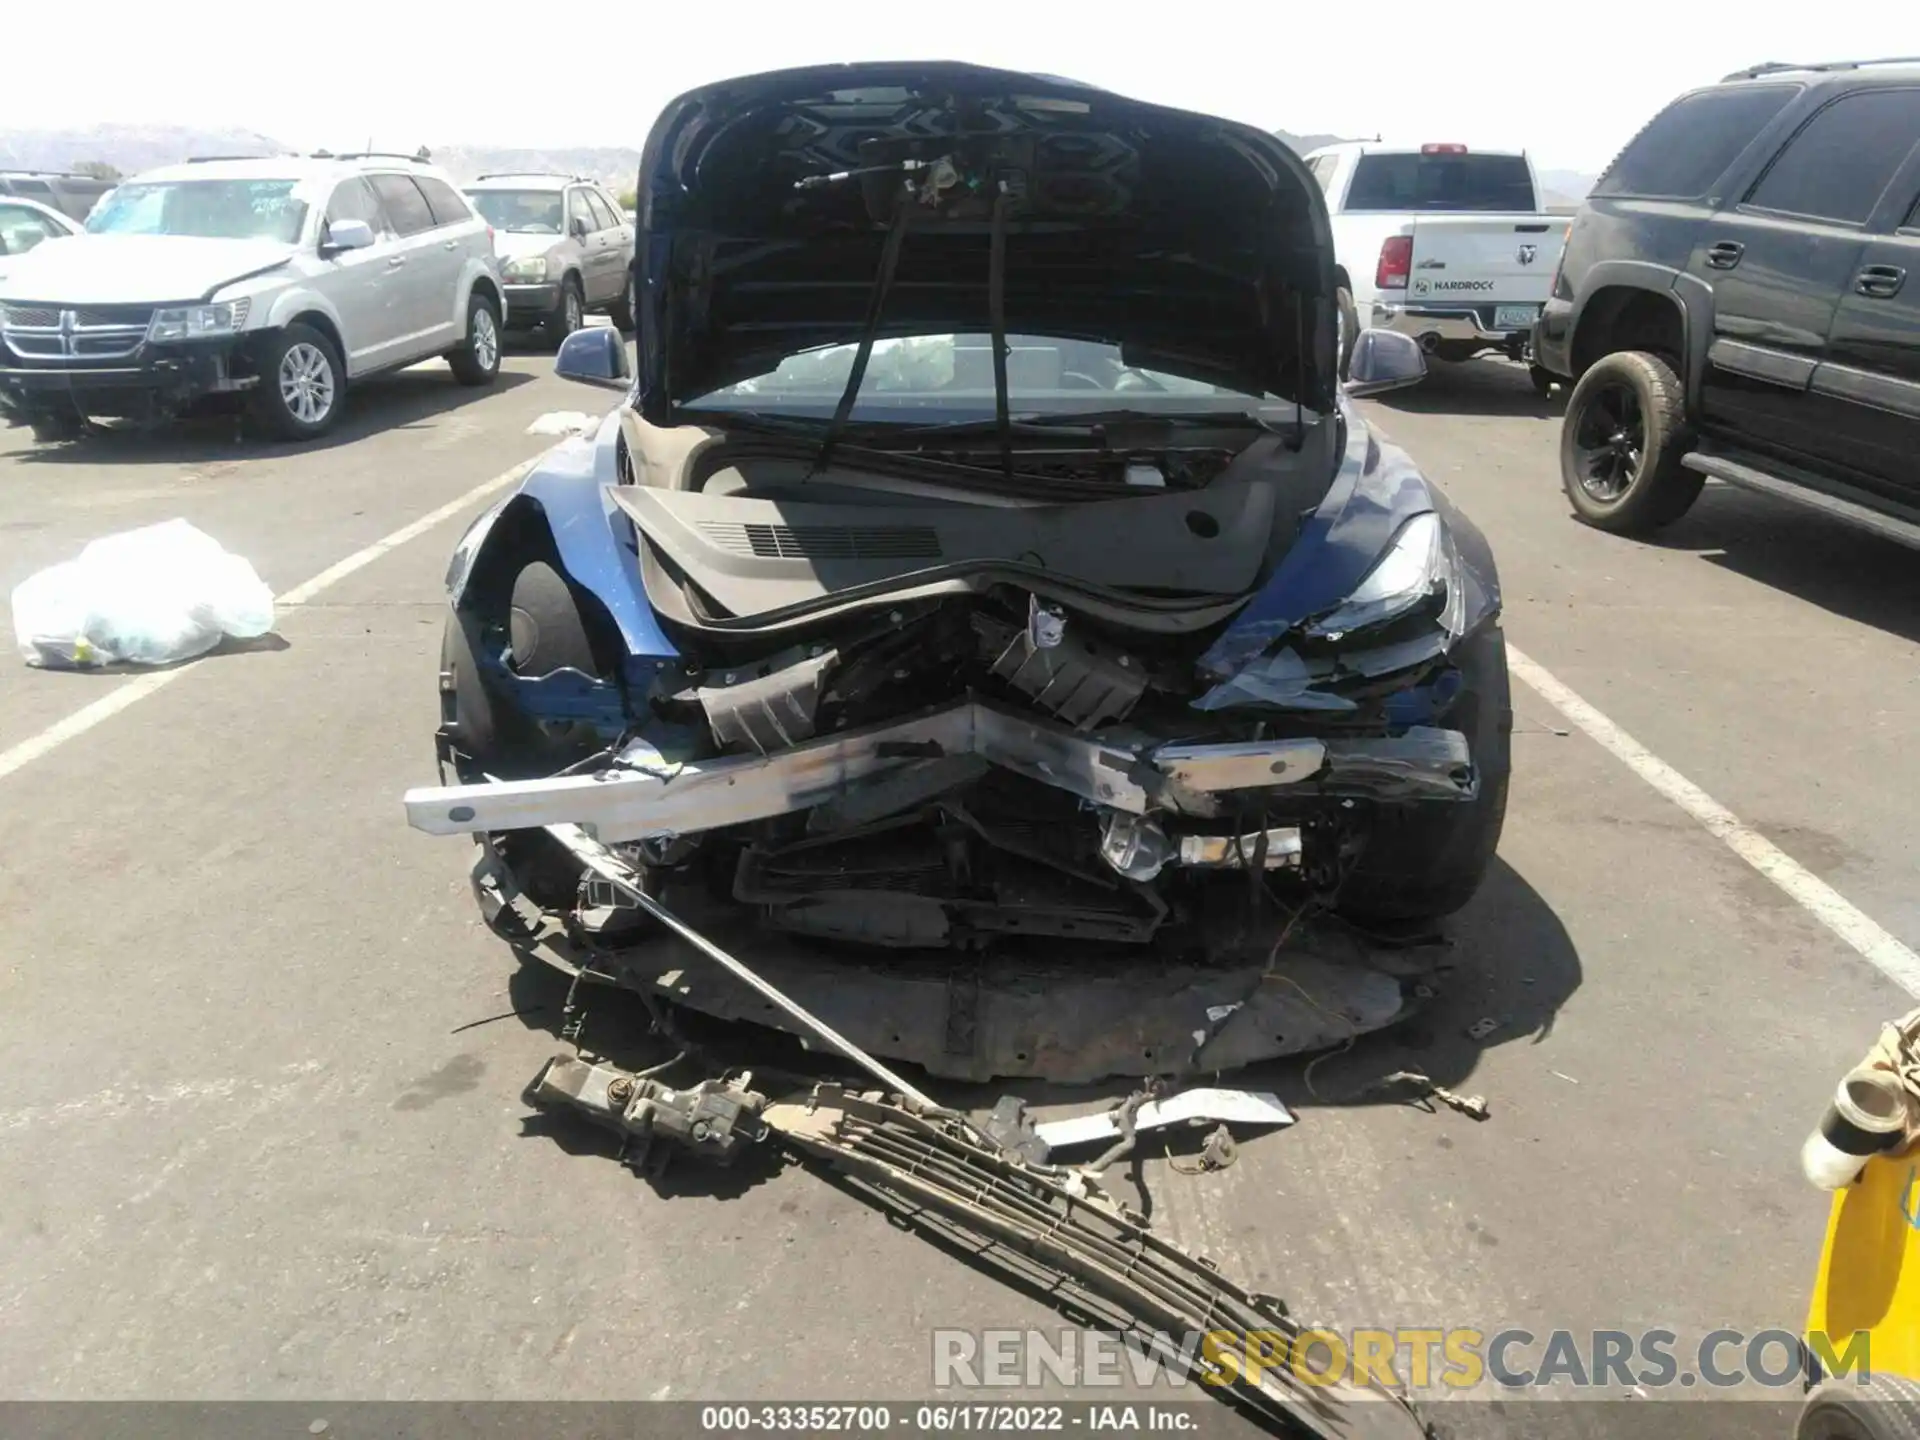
[(1686, 147), (1441, 182)]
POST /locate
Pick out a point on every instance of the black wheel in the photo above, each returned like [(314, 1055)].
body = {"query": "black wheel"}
[(1621, 445), (53, 429), (477, 361), (1543, 379), (1887, 1407), (544, 632), (1426, 859), (302, 384), (1348, 333), (622, 311), (569, 311)]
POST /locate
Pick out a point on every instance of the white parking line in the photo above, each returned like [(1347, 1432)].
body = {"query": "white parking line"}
[(1886, 954), (131, 692)]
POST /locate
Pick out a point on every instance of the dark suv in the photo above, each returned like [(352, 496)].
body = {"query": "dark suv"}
[(1735, 300)]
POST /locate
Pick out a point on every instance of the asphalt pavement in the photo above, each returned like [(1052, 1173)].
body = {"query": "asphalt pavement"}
[(263, 1136)]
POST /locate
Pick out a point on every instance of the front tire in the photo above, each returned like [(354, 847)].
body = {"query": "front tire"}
[(477, 361), (569, 312), (1621, 444), (622, 309), (1885, 1408), (1425, 859), (302, 384), (55, 429), (1348, 334)]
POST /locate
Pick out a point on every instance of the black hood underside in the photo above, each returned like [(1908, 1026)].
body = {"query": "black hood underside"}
[(1197, 245)]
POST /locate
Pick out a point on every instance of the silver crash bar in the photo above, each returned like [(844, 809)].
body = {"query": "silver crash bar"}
[(639, 797)]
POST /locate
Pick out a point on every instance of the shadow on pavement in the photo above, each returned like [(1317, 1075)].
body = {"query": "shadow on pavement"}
[(271, 643), (1850, 573), (388, 403), (1473, 387), (1512, 964)]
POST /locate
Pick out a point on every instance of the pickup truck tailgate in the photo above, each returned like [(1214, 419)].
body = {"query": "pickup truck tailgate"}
[(1487, 260)]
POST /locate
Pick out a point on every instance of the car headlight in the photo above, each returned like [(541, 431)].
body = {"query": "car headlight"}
[(528, 267), (1419, 567), (192, 322)]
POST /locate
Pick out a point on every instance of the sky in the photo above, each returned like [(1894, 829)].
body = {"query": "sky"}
[(1568, 82)]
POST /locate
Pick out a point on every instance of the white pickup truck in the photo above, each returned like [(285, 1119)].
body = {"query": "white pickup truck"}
[(1440, 242)]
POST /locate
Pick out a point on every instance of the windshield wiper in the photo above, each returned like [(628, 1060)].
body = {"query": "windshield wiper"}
[(997, 321), (876, 304), (1075, 423)]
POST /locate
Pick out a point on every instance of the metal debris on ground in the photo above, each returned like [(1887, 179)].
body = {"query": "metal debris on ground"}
[(1473, 1106), (1219, 1151), (938, 1173), (1481, 1029), (943, 1172), (1189, 1107)]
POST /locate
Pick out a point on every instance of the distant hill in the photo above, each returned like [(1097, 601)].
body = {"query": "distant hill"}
[(613, 166), (1307, 144), (127, 148), (1572, 184), (133, 148)]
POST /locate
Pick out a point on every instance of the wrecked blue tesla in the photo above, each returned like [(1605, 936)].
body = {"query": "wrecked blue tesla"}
[(985, 608)]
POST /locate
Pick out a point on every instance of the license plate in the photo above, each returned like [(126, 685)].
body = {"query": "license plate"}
[(1514, 317)]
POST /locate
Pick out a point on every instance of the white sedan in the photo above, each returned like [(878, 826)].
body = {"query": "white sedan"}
[(25, 223)]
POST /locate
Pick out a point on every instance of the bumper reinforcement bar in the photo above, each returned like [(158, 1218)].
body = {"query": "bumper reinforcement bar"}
[(638, 796)]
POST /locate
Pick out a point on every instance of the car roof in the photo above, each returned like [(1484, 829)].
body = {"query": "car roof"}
[(1406, 147), (284, 167), (1834, 74), (528, 180), (30, 203)]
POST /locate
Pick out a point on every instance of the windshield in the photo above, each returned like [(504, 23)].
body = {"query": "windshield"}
[(941, 377), (523, 212), (212, 209), (1441, 182)]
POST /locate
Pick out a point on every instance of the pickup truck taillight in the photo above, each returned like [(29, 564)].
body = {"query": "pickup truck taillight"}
[(1560, 289), (1396, 261)]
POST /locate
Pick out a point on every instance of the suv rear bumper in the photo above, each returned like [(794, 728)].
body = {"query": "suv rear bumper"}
[(1472, 324), (154, 379)]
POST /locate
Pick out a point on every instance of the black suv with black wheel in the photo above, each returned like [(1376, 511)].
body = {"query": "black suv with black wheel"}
[(1734, 301)]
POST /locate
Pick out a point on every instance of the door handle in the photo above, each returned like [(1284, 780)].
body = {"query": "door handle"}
[(1725, 255), (1880, 282)]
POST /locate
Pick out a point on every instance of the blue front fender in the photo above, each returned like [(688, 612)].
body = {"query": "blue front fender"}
[(1377, 490)]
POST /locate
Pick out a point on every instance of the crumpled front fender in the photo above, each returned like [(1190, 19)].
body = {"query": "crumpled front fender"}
[(568, 493), (1377, 490)]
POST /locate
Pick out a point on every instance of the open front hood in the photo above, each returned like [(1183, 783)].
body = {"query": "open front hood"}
[(1198, 245), (137, 269)]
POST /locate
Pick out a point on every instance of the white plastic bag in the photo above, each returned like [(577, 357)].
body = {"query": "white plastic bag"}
[(564, 422), (151, 596)]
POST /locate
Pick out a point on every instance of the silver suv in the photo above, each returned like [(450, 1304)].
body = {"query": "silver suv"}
[(270, 282), (565, 248)]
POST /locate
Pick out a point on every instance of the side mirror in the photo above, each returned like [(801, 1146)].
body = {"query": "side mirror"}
[(595, 356), (1384, 360), (343, 235), (577, 227)]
